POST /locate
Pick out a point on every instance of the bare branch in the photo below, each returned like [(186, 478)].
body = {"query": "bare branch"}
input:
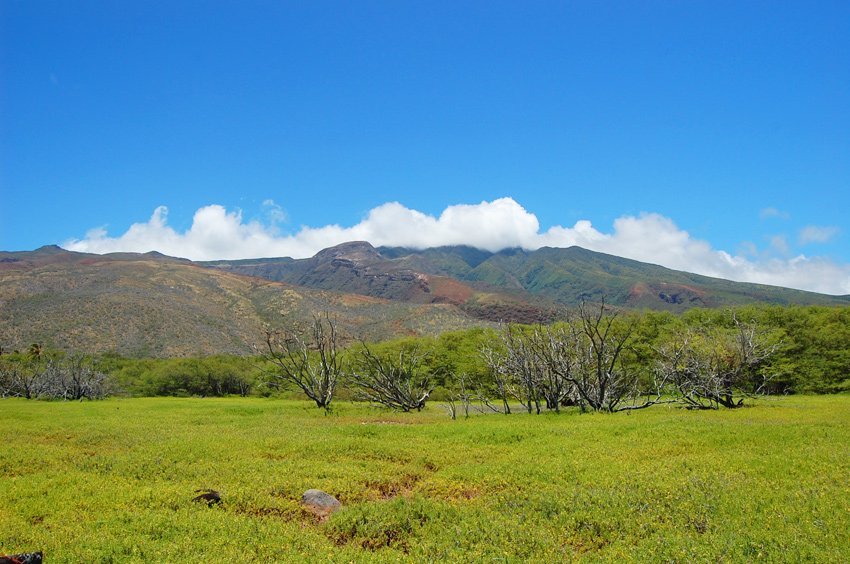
[(396, 384), (312, 363)]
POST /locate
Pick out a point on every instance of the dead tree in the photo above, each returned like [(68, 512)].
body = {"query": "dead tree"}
[(580, 362), (602, 382), (74, 378), (51, 377), (712, 369), (396, 383), (9, 378), (516, 369), (531, 365), (603, 379), (594, 362), (464, 394), (523, 366), (312, 363), (495, 361), (555, 352), (23, 375)]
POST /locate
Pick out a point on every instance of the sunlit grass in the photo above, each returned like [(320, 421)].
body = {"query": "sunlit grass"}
[(114, 480)]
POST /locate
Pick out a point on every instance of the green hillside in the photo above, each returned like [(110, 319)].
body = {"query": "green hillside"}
[(542, 279)]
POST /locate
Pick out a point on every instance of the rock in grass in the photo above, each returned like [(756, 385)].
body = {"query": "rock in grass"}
[(320, 503), (25, 558), (210, 497)]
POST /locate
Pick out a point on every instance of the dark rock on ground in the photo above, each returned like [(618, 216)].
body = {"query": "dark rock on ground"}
[(210, 497), (24, 558), (320, 503)]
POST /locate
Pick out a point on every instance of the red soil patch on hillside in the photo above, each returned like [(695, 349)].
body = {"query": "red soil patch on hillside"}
[(449, 290)]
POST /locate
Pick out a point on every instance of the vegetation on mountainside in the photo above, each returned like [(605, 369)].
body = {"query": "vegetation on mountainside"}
[(160, 308), (527, 283)]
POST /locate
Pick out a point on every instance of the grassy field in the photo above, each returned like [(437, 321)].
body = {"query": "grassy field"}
[(113, 481)]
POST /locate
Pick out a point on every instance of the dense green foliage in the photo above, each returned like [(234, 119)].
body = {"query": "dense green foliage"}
[(812, 344), (206, 376), (113, 481)]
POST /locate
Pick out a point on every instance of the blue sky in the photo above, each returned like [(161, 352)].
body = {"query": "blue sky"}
[(717, 131)]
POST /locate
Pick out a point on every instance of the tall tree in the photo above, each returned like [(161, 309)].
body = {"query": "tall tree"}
[(312, 363)]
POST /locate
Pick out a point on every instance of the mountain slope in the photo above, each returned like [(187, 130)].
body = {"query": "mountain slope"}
[(151, 305), (358, 267), (570, 275), (542, 280)]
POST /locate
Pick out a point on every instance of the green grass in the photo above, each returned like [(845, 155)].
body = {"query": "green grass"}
[(112, 481)]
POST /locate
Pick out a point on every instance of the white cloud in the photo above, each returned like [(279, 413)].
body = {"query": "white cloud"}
[(274, 212), (768, 213), (220, 234), (817, 234)]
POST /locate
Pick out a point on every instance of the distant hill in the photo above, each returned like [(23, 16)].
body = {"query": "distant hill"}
[(360, 268), (488, 284), (153, 305)]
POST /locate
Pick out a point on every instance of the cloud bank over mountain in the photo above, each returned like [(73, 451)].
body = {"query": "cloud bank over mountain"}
[(217, 233)]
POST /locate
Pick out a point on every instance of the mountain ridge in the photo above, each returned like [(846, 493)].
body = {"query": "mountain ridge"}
[(142, 304), (562, 276), (150, 304)]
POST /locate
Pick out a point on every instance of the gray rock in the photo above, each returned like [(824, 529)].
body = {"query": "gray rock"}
[(320, 503)]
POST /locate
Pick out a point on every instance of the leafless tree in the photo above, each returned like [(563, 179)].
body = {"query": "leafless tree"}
[(74, 378), (578, 362), (451, 407), (49, 377), (396, 383), (523, 365), (464, 395), (500, 374), (556, 353), (712, 368), (312, 363), (602, 379), (9, 377), (469, 397), (533, 364), (25, 373)]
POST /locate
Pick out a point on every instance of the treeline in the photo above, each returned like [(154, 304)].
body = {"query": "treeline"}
[(597, 358), (40, 374), (811, 345), (809, 353)]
